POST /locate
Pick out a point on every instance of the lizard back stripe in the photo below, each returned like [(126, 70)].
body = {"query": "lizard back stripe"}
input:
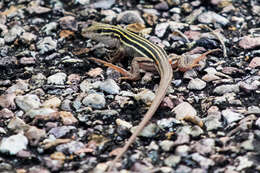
[(140, 44)]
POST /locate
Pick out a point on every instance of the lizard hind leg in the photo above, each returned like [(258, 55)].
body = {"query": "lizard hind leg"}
[(182, 63), (108, 64), (198, 59)]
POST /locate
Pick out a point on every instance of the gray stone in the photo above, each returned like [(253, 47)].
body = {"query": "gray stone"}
[(37, 80), (68, 22), (196, 84), (149, 131), (146, 96), (167, 123), (194, 131), (129, 17), (61, 131), (28, 37), (28, 102), (40, 111), (203, 161), (46, 45), (13, 33), (223, 89), (2, 42), (104, 4), (57, 79), (13, 144), (50, 28), (17, 125), (86, 86), (243, 162), (95, 100), (231, 116), (70, 147), (34, 135), (160, 29), (172, 160), (212, 123), (212, 17), (110, 86), (166, 145), (182, 150)]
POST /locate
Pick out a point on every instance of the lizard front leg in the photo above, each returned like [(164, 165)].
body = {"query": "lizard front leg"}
[(136, 64)]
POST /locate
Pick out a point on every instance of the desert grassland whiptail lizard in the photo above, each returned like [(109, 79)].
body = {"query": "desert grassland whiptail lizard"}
[(145, 53)]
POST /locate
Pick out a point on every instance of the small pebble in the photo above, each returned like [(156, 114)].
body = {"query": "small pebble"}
[(40, 111), (34, 135), (49, 29), (162, 6), (35, 9), (17, 125), (249, 42), (172, 160), (110, 86), (222, 89), (67, 118), (27, 61), (13, 144), (7, 101), (95, 100), (103, 4), (68, 22), (61, 131), (38, 169), (149, 131), (184, 111), (211, 122), (196, 84), (243, 162), (54, 102), (57, 79), (13, 33), (146, 96), (123, 123), (166, 145), (6, 113), (37, 80), (19, 87), (160, 29), (28, 37), (46, 45), (194, 131), (70, 147), (182, 150), (231, 116), (28, 102), (204, 162), (212, 17), (86, 86), (255, 62), (129, 17)]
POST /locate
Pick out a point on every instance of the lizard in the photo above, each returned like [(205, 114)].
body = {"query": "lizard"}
[(125, 42)]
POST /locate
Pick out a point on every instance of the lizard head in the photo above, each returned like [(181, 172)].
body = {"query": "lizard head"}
[(100, 29)]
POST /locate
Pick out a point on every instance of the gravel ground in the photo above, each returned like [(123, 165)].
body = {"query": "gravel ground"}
[(60, 112)]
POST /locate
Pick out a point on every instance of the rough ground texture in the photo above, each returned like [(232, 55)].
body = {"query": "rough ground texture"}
[(60, 112)]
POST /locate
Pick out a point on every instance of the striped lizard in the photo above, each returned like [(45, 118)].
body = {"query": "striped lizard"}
[(145, 53)]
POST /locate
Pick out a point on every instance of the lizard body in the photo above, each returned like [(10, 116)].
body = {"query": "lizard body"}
[(144, 48), (145, 53)]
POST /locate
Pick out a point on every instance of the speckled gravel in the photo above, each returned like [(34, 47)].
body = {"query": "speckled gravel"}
[(60, 112)]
